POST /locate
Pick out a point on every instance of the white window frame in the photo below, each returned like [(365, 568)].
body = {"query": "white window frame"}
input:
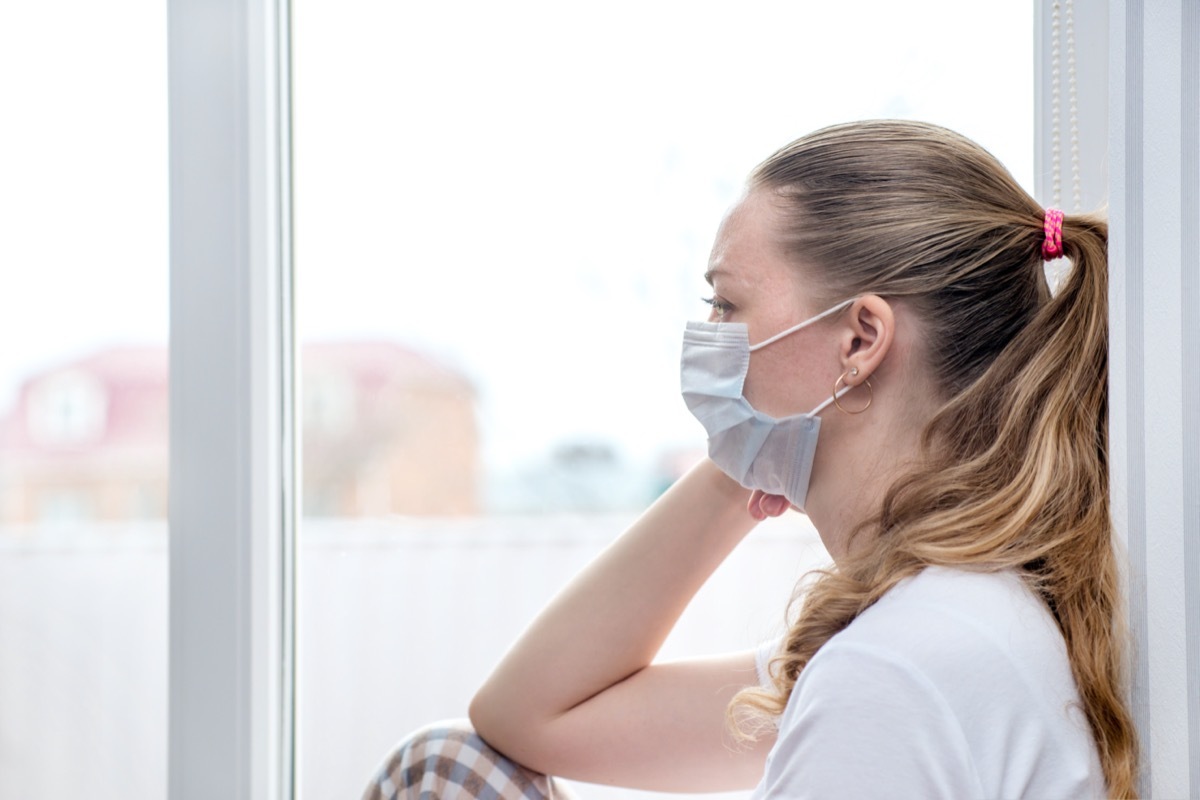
[(232, 497)]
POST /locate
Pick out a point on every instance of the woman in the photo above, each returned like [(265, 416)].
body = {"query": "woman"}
[(881, 283)]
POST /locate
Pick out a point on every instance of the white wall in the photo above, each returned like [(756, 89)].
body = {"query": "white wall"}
[(1155, 310), (1141, 115)]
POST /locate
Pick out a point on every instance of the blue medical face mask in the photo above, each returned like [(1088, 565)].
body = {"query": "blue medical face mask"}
[(756, 450)]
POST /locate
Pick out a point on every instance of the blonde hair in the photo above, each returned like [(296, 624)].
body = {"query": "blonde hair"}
[(1015, 463)]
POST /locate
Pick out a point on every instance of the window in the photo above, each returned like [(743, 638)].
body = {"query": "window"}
[(83, 399)]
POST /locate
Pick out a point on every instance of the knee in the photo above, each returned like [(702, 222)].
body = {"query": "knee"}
[(440, 740), (427, 750), (449, 759)]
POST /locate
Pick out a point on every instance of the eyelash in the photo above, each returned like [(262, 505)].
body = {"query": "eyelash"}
[(720, 306)]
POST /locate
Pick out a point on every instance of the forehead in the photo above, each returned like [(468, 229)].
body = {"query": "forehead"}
[(747, 250)]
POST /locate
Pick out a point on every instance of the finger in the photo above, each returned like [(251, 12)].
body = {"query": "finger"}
[(773, 505), (754, 506)]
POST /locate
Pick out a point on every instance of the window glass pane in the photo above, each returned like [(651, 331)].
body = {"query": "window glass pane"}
[(503, 216), (83, 400)]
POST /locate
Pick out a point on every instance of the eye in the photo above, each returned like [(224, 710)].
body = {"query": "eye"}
[(720, 308)]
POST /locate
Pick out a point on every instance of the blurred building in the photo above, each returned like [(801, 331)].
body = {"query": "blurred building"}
[(87, 440), (386, 430)]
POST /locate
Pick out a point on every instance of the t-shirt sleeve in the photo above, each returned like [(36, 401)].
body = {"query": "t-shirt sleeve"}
[(862, 723), (762, 662)]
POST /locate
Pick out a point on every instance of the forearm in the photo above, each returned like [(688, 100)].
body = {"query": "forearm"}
[(611, 620)]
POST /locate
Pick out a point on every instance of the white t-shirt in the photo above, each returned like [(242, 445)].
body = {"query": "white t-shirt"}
[(954, 685)]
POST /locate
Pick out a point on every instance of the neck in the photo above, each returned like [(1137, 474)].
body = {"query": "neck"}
[(859, 457)]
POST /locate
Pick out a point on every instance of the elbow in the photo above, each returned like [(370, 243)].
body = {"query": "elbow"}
[(515, 735), (479, 712), (489, 717)]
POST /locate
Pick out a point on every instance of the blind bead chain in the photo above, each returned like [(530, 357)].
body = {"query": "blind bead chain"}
[(1055, 107), (1073, 111), (1062, 14)]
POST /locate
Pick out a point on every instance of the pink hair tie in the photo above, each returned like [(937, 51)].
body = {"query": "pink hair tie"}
[(1052, 247)]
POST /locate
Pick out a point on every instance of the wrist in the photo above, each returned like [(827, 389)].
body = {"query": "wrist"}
[(726, 499), (723, 485)]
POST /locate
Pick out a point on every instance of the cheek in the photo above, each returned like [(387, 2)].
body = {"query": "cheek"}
[(784, 382), (756, 380), (768, 383)]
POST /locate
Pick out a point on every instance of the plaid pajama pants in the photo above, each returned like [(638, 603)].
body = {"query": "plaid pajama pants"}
[(448, 761)]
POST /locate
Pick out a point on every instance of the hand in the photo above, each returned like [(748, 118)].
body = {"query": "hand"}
[(763, 505)]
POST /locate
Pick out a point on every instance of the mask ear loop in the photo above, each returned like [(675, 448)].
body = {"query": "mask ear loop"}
[(839, 392), (804, 324)]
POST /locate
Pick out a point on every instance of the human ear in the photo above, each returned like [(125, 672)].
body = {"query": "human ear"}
[(867, 337)]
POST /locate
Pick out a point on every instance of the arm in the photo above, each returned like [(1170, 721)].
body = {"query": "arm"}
[(577, 695)]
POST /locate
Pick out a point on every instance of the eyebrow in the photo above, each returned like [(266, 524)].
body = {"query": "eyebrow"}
[(708, 276)]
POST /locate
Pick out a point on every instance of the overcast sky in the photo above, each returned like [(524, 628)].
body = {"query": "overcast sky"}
[(527, 190)]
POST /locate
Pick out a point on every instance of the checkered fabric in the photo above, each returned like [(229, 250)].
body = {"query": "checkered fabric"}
[(448, 761)]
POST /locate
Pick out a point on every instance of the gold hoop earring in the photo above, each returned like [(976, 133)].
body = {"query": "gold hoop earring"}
[(841, 382)]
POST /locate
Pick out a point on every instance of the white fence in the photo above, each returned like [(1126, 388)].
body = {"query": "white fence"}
[(399, 621)]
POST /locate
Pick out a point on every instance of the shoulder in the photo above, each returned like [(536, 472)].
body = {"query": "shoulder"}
[(983, 644), (957, 683), (944, 618), (976, 645), (864, 717)]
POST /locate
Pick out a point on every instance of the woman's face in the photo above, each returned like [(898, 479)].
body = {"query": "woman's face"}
[(756, 283)]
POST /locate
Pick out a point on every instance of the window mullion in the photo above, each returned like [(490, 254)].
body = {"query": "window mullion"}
[(230, 577)]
